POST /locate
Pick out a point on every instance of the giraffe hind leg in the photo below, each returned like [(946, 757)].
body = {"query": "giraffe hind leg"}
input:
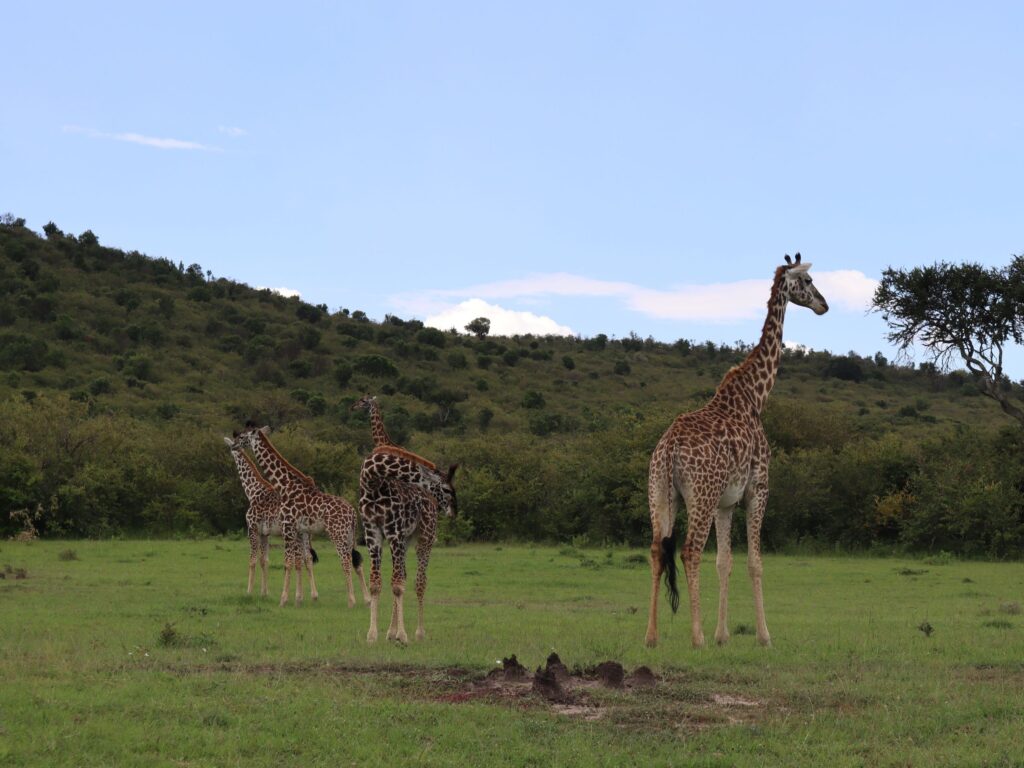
[(664, 502), (698, 528), (723, 562)]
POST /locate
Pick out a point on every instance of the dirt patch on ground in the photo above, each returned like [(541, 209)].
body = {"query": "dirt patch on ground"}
[(637, 699)]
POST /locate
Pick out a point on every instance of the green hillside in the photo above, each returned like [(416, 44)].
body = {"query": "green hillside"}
[(119, 373)]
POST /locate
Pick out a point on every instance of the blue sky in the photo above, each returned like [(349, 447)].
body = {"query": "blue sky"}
[(557, 166)]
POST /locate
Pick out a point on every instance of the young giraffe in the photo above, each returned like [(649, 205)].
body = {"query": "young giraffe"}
[(717, 456), (263, 517), (400, 495), (306, 510)]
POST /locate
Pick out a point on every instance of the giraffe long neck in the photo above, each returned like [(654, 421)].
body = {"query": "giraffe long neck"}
[(252, 480), (754, 378), (279, 472), (380, 434)]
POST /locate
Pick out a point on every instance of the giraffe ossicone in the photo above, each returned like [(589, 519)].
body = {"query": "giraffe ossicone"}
[(716, 457)]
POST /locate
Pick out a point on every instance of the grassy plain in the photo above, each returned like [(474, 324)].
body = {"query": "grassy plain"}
[(851, 680)]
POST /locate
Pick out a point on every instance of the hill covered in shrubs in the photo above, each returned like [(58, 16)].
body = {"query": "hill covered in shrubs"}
[(119, 373)]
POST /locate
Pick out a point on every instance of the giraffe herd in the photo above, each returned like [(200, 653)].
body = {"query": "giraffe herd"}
[(712, 459)]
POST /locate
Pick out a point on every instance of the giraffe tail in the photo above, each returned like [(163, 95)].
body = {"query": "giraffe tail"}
[(357, 559), (668, 564), (314, 555)]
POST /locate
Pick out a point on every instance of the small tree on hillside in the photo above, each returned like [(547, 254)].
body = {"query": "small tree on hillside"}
[(959, 309), (479, 327)]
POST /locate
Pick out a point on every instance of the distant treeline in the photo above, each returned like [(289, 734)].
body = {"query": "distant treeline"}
[(119, 373)]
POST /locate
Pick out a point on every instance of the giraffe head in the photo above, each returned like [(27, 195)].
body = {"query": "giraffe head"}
[(236, 443), (796, 286), (364, 403), (447, 499)]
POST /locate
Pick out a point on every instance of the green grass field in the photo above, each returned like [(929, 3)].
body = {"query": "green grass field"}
[(851, 680)]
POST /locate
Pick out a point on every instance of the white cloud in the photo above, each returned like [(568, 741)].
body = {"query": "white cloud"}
[(848, 290), (504, 322), (231, 130), (146, 141), (286, 292)]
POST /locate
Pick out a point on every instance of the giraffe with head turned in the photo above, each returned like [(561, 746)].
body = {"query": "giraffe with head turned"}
[(400, 495), (305, 510), (263, 516), (717, 457)]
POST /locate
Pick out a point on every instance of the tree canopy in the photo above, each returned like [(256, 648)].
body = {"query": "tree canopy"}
[(966, 310)]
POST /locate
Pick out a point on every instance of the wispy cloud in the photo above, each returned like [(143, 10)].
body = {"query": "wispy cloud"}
[(146, 141), (847, 290), (504, 322), (231, 130)]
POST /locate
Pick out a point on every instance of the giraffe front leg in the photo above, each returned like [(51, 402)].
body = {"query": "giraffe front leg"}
[(291, 560), (696, 536), (264, 563), (723, 562), (396, 631), (755, 515), (373, 545), (254, 555)]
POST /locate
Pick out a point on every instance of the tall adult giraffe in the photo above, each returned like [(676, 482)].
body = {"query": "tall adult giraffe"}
[(717, 456), (307, 510), (400, 495), (263, 517)]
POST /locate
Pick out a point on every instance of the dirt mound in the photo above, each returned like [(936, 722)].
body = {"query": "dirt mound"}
[(510, 670), (555, 667), (642, 677), (610, 674)]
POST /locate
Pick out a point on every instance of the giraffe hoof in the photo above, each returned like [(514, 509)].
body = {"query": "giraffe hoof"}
[(283, 602), (722, 639), (420, 634), (765, 641), (351, 602), (698, 642), (371, 636), (651, 641), (401, 639)]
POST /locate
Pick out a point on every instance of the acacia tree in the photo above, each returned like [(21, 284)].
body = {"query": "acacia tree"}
[(479, 327), (959, 309)]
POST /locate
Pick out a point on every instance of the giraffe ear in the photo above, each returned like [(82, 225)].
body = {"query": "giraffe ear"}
[(451, 473), (265, 430), (229, 441)]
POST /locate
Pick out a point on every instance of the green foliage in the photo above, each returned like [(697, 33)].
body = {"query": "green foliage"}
[(375, 365), (114, 394)]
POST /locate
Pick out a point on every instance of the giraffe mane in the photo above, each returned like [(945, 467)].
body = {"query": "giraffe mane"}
[(394, 450), (291, 467)]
